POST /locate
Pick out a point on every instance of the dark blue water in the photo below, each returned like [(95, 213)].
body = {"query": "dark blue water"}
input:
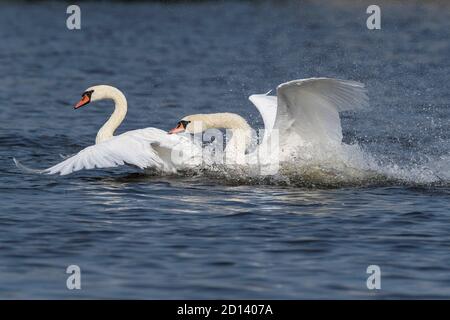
[(136, 235)]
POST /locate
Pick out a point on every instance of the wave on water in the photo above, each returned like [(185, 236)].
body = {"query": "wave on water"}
[(346, 166)]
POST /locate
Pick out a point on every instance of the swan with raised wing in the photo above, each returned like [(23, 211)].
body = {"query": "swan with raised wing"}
[(142, 148), (304, 112)]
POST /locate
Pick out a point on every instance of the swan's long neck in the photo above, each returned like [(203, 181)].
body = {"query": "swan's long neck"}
[(107, 130), (241, 132)]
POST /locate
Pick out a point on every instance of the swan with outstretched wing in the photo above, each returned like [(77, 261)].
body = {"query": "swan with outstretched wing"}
[(304, 112), (142, 148)]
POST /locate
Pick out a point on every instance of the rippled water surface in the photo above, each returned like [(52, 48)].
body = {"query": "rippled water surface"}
[(136, 235)]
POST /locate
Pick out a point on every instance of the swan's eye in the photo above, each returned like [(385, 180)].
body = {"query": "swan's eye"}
[(87, 93), (183, 123)]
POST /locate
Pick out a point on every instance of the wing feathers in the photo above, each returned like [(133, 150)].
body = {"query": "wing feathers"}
[(133, 148), (314, 105), (308, 109)]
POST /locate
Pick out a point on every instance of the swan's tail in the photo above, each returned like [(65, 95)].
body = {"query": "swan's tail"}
[(27, 169)]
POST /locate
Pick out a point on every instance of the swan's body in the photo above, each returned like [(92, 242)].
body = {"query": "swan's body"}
[(304, 113), (143, 148)]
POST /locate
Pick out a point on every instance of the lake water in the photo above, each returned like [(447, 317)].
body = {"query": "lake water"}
[(136, 235)]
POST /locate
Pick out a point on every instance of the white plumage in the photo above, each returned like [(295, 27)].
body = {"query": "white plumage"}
[(142, 148), (307, 111), (304, 112)]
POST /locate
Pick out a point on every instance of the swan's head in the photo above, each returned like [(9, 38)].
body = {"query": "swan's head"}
[(196, 123), (95, 93)]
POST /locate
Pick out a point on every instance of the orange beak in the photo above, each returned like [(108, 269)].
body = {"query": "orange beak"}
[(84, 101), (177, 129)]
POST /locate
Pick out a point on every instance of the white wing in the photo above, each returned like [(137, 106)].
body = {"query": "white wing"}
[(267, 107), (309, 109), (143, 148)]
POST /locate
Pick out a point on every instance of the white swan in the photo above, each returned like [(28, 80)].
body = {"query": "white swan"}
[(143, 148), (236, 146), (304, 113)]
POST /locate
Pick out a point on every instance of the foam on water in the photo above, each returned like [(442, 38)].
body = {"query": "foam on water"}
[(342, 166), (312, 166)]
